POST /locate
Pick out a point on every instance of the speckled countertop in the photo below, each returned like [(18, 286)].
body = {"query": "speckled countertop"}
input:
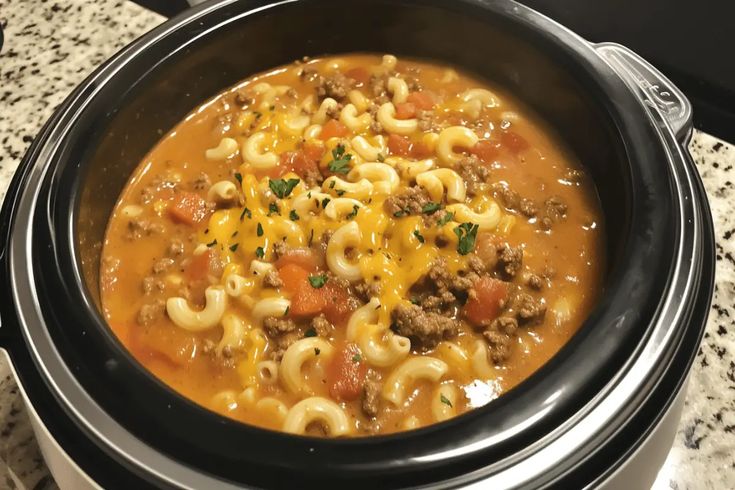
[(51, 46)]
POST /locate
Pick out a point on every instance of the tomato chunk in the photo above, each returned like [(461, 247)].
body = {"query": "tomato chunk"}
[(485, 150), (303, 257), (333, 128), (188, 208), (346, 373), (163, 341), (514, 142), (338, 306), (358, 74), (200, 265), (420, 150), (313, 151), (405, 110), (424, 100), (399, 145), (485, 306), (294, 277)]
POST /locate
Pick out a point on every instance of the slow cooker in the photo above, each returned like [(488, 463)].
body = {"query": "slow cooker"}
[(602, 412)]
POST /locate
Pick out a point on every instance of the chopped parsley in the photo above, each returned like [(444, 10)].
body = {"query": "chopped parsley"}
[(282, 187), (259, 252), (234, 234), (259, 230), (273, 209), (340, 192), (285, 312), (246, 212), (233, 247), (317, 351), (449, 216), (400, 214), (431, 207), (466, 232), (415, 301), (212, 243), (444, 400), (325, 201), (293, 215), (418, 236), (353, 214), (356, 358), (318, 281), (340, 161), (332, 183), (381, 158), (310, 333), (238, 176)]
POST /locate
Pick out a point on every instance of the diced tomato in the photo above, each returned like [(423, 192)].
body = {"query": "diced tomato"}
[(294, 277), (346, 373), (338, 306), (188, 208), (307, 301), (485, 306), (333, 128), (303, 257), (304, 165), (313, 151), (424, 100), (199, 266), (163, 341), (358, 74), (405, 110), (420, 150), (514, 142), (486, 150), (399, 145)]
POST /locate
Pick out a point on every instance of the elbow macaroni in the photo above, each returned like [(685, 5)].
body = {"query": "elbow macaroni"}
[(197, 321), (411, 370), (294, 358)]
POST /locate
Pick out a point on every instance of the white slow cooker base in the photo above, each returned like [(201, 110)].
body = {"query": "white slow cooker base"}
[(638, 472)]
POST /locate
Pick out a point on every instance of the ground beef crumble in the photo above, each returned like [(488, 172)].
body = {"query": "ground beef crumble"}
[(321, 326), (427, 329), (282, 332), (474, 173), (152, 312), (272, 279), (335, 85), (510, 260), (555, 210), (512, 201), (370, 401), (410, 201), (500, 337)]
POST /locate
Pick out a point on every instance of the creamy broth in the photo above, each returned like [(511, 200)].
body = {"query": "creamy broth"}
[(352, 246)]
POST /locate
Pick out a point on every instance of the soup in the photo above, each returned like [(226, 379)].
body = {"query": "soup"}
[(352, 246)]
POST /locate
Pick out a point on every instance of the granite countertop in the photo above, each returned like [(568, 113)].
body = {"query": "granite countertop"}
[(51, 46)]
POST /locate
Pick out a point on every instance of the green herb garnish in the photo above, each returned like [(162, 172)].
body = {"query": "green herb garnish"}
[(310, 333), (356, 358), (317, 351), (340, 192), (353, 214), (285, 312), (238, 176), (400, 214), (418, 236), (325, 201), (340, 161), (431, 208), (444, 400), (282, 187), (212, 243), (246, 212), (259, 230), (233, 247), (449, 216), (273, 209), (259, 252), (293, 215), (381, 158), (318, 281), (466, 232), (332, 183)]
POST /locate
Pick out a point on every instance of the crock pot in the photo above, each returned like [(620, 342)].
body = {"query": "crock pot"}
[(602, 412)]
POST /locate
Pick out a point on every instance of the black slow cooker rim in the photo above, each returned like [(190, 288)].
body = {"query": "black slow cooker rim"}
[(388, 440)]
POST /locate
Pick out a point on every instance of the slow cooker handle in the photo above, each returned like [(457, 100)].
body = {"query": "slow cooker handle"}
[(656, 90)]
